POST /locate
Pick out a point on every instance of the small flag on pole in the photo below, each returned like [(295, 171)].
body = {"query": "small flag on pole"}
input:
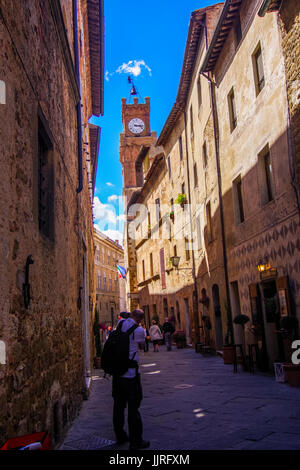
[(122, 271)]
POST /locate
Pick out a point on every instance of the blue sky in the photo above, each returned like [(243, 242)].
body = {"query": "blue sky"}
[(148, 39)]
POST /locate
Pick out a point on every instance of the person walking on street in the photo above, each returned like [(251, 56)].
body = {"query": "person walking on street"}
[(168, 329), (155, 335), (127, 389)]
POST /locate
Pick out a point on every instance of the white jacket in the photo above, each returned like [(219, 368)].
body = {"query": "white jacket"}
[(155, 332)]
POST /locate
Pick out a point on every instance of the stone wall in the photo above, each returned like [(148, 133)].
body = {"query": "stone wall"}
[(42, 383)]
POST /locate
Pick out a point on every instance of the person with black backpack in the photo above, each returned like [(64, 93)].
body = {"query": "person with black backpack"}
[(120, 359)]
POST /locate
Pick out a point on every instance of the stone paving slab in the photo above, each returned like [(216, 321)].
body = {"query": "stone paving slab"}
[(195, 402)]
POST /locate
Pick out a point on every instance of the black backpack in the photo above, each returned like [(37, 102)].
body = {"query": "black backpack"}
[(115, 355)]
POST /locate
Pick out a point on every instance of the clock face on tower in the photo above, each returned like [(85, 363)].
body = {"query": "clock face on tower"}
[(136, 125)]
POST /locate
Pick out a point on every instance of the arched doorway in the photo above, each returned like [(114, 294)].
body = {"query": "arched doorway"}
[(217, 316)]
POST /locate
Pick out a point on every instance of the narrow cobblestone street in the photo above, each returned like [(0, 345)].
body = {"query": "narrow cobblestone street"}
[(195, 402)]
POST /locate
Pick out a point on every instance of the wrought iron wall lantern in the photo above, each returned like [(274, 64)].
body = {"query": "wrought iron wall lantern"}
[(265, 269), (26, 285), (263, 264)]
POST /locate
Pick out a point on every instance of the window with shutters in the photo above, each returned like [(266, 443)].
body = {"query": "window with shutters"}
[(187, 251), (191, 121), (258, 70), (238, 200), (204, 155), (232, 110), (157, 207), (169, 166), (195, 176), (265, 174), (180, 148), (162, 268), (199, 91), (208, 222)]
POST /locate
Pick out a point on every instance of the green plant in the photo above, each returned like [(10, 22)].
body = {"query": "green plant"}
[(96, 330), (181, 199)]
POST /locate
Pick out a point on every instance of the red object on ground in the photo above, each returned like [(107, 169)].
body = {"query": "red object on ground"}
[(22, 441)]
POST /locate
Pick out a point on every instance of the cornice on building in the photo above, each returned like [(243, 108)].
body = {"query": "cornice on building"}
[(104, 238), (95, 12), (269, 6), (196, 30), (95, 133), (227, 18)]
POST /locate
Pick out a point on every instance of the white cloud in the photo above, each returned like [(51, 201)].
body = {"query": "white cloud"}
[(109, 184), (104, 212), (107, 75), (113, 197), (133, 67)]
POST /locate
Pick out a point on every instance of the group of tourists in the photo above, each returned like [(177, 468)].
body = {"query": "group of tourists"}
[(159, 334)]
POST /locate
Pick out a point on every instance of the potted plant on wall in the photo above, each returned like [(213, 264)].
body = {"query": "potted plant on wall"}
[(98, 346), (179, 338), (228, 347), (181, 199), (172, 217)]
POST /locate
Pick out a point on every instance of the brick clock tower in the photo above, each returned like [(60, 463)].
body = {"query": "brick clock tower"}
[(136, 132)]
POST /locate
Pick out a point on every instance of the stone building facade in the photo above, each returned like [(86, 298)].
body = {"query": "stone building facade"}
[(260, 209), (229, 144), (110, 288), (51, 72)]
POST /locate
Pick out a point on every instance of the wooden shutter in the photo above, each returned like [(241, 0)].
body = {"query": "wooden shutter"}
[(283, 292), (254, 303)]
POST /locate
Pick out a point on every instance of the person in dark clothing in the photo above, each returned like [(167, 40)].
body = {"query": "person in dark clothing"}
[(124, 315), (168, 329), (127, 390)]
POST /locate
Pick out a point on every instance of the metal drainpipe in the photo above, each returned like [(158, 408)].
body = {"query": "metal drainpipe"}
[(216, 139), (78, 106), (195, 294)]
